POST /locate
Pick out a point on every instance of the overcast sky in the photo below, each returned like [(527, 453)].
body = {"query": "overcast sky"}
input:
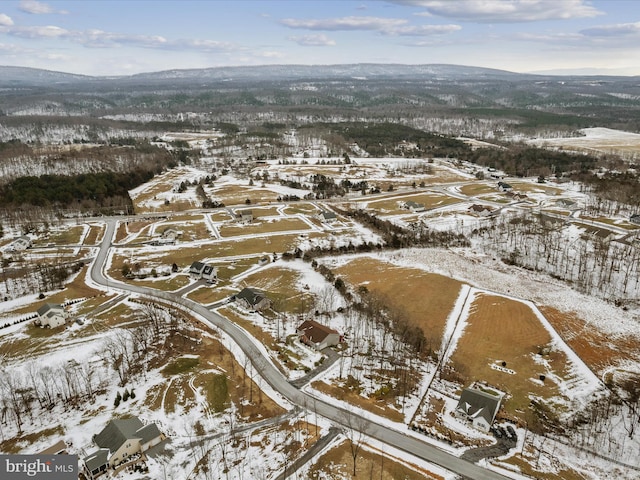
[(119, 37)]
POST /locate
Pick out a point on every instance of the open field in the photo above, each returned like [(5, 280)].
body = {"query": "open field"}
[(477, 189), (284, 290), (168, 284), (429, 200), (95, 234), (261, 227), (238, 195), (206, 295), (300, 207), (427, 298), (500, 329), (598, 351), (67, 236)]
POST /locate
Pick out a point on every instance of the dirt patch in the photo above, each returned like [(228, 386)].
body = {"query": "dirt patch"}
[(268, 226)]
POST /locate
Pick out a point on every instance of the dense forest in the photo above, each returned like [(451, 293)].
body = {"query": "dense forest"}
[(105, 189)]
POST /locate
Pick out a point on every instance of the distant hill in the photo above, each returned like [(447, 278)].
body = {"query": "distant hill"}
[(23, 76)]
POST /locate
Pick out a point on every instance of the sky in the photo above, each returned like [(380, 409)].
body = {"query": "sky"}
[(122, 37)]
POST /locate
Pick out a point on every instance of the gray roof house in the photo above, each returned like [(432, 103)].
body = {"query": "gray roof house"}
[(252, 299), (327, 216), (52, 315), (118, 441), (414, 206), (96, 463), (20, 243), (196, 269), (478, 407)]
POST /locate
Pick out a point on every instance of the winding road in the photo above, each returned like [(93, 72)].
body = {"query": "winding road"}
[(343, 417)]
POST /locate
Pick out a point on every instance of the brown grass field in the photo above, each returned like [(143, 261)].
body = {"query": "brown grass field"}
[(524, 465), (167, 284), (269, 226), (338, 463), (429, 200), (300, 207), (237, 195), (477, 189), (220, 216), (284, 291), (500, 329), (427, 298), (95, 234), (597, 350), (68, 236), (206, 295)]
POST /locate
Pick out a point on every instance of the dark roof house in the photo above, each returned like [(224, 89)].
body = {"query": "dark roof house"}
[(252, 298), (479, 407)]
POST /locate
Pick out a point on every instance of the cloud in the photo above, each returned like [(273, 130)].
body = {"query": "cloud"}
[(505, 11), (345, 23), (313, 40), (5, 20), (385, 26), (37, 8), (100, 39), (616, 30)]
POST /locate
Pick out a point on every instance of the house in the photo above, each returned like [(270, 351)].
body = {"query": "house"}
[(414, 207), (504, 187), (635, 219), (210, 273), (317, 335), (245, 216), (170, 234), (96, 463), (566, 203), (58, 448), (20, 244), (479, 407), (196, 269), (252, 299), (481, 210), (118, 441), (52, 315), (327, 217), (596, 233)]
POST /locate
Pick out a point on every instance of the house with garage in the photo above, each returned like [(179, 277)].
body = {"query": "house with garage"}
[(478, 406), (317, 335), (244, 216), (51, 315), (327, 217), (196, 269), (504, 187), (414, 207), (210, 273), (20, 244), (120, 440), (481, 210), (252, 299)]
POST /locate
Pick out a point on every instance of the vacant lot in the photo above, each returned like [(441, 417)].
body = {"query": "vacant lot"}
[(427, 298), (499, 330), (268, 226), (238, 195), (284, 289), (338, 463), (429, 200)]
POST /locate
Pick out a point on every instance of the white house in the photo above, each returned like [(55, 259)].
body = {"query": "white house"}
[(52, 315), (327, 217), (20, 244)]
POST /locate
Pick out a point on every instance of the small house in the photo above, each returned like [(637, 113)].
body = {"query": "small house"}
[(504, 187), (479, 407), (635, 219), (566, 203), (317, 335), (170, 234), (210, 273), (327, 217), (481, 210), (245, 216), (196, 269), (252, 299), (414, 207), (20, 244), (52, 315)]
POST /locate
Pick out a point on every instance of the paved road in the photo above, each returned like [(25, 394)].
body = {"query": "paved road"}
[(263, 366)]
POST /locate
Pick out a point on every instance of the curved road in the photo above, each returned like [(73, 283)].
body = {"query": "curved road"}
[(278, 382)]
